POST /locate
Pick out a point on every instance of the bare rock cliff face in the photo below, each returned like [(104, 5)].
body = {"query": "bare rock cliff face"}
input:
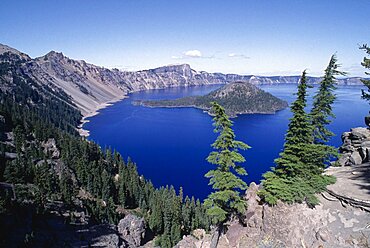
[(331, 224), (91, 86), (356, 147)]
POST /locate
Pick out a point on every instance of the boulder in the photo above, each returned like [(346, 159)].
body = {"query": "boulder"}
[(365, 144), (187, 242), (347, 148), (252, 198), (360, 133), (199, 233), (190, 241), (132, 230), (355, 148), (355, 158), (50, 147), (103, 236), (345, 136), (235, 233), (363, 154), (343, 160)]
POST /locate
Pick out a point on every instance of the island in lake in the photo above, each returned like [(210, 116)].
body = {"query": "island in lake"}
[(237, 98)]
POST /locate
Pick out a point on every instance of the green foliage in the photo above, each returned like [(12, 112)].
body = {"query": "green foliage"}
[(293, 189), (298, 136), (108, 185), (226, 200), (366, 64), (237, 97), (300, 128), (297, 176), (321, 111)]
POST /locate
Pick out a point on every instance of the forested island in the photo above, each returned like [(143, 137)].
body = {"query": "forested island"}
[(237, 98)]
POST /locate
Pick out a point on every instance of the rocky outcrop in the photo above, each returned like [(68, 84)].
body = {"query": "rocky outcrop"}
[(356, 147), (50, 148), (330, 224), (104, 235), (132, 230), (352, 185)]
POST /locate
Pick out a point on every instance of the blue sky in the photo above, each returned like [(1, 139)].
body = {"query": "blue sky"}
[(246, 37)]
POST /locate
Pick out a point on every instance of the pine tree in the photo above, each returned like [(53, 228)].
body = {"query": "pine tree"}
[(121, 185), (67, 188), (300, 129), (278, 183), (322, 105), (106, 185), (321, 115), (298, 135), (366, 64), (225, 201), (298, 172)]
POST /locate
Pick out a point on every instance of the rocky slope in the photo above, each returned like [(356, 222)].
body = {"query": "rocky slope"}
[(356, 147), (237, 98), (332, 224), (92, 87)]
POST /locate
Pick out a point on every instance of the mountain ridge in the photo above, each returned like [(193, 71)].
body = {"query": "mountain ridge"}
[(92, 87)]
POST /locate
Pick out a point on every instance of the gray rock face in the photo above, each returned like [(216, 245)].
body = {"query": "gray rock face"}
[(92, 86), (356, 147), (132, 230), (254, 209), (330, 224), (355, 158), (103, 236), (50, 147)]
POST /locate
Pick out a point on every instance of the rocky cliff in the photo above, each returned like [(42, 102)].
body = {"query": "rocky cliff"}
[(332, 224), (92, 87), (356, 147)]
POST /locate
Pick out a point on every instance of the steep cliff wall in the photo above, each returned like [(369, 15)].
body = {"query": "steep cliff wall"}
[(91, 86)]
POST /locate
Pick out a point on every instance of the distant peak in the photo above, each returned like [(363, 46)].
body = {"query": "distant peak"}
[(5, 49), (55, 54), (183, 69), (174, 66)]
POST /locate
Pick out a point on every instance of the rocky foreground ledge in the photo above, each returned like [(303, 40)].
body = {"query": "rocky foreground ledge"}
[(333, 223)]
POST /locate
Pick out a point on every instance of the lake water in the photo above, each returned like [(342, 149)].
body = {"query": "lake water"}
[(169, 146)]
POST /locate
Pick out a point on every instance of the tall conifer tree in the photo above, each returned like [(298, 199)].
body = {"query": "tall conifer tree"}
[(225, 180), (322, 105), (298, 172), (366, 63), (298, 136)]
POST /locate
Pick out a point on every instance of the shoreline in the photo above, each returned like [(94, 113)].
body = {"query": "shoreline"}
[(206, 110), (86, 133)]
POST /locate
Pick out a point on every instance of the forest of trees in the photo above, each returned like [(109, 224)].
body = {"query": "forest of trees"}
[(82, 172), (298, 176)]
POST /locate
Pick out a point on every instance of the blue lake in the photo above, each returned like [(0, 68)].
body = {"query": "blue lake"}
[(169, 146)]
